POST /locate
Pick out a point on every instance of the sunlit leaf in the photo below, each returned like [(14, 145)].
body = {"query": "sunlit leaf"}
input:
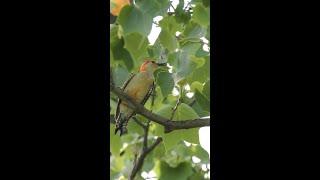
[(153, 7), (133, 20), (136, 44), (201, 15), (168, 40), (115, 141), (194, 30), (206, 89), (165, 172), (198, 151), (170, 24), (196, 85)]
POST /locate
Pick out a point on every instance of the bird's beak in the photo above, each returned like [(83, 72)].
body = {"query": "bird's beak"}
[(162, 64)]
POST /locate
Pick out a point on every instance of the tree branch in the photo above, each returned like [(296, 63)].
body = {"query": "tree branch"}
[(138, 163), (169, 125)]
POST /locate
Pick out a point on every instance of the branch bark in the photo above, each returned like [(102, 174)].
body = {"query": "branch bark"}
[(140, 160), (138, 163), (169, 125)]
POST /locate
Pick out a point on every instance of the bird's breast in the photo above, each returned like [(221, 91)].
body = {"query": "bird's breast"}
[(138, 87)]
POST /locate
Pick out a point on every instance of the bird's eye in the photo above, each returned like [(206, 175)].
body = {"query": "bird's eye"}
[(153, 62)]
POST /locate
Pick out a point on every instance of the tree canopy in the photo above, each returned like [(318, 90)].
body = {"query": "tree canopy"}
[(182, 88)]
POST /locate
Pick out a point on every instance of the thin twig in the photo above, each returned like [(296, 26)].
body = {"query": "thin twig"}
[(172, 6), (158, 141), (156, 23), (175, 108), (139, 163), (177, 104), (187, 6), (145, 139)]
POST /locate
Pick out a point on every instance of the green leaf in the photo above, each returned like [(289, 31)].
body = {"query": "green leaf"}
[(165, 172), (190, 48), (178, 155), (153, 7), (113, 33), (206, 3), (206, 89), (185, 68), (168, 40), (120, 75), (185, 112), (114, 175), (136, 44), (171, 139), (199, 61), (201, 74), (194, 30), (166, 83), (201, 53), (118, 51), (148, 163), (156, 49), (183, 17), (180, 15), (198, 151), (133, 127), (198, 109), (196, 85), (170, 24), (201, 15), (202, 100), (115, 141), (159, 151), (133, 20), (179, 8), (196, 176)]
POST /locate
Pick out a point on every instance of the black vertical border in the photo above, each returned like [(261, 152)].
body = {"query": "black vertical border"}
[(102, 90), (217, 87)]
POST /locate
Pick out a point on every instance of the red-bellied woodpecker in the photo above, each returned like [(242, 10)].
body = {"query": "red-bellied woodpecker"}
[(139, 87)]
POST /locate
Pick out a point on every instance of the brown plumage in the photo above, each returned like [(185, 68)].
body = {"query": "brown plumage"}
[(139, 86)]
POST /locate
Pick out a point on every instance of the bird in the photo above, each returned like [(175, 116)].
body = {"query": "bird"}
[(139, 87)]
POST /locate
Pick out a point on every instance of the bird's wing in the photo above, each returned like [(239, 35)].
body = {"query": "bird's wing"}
[(151, 89), (123, 87)]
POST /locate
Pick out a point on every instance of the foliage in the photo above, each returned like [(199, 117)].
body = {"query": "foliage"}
[(183, 88)]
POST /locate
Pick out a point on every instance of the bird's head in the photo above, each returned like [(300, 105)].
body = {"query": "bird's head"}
[(150, 66)]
